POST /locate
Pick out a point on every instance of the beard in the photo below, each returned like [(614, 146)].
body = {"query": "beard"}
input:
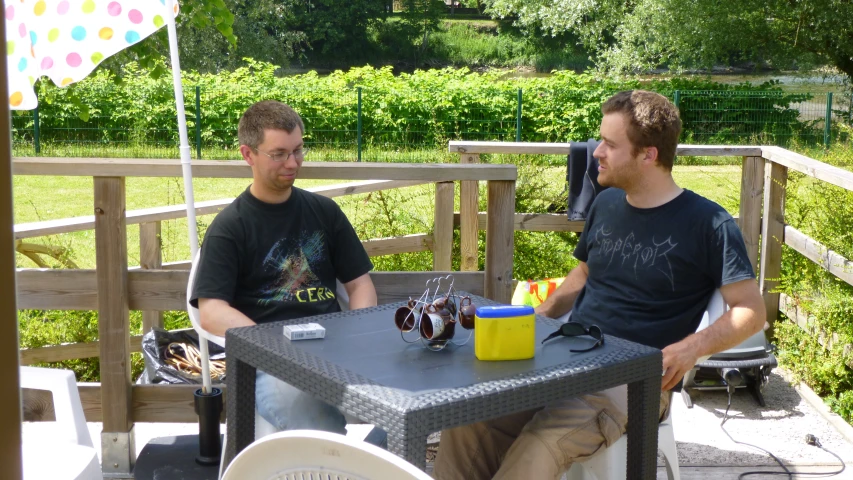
[(622, 177)]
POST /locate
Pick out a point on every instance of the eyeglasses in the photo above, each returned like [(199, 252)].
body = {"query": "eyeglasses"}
[(575, 329), (278, 157)]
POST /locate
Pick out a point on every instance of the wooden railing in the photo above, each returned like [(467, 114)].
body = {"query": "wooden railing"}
[(113, 289), (150, 252)]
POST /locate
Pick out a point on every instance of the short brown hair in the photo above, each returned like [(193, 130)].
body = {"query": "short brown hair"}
[(266, 115), (653, 121)]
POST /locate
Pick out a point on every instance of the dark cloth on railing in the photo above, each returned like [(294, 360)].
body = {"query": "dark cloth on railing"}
[(582, 175)]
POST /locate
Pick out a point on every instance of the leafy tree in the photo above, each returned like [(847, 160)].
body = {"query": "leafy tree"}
[(645, 34), (264, 29), (280, 31), (338, 28), (213, 16), (422, 17)]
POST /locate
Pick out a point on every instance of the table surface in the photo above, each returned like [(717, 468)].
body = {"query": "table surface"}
[(364, 367)]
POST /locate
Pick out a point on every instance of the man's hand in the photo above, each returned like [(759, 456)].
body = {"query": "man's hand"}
[(561, 301), (745, 317), (678, 359), (216, 316)]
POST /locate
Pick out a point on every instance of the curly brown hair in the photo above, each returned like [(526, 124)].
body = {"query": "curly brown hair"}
[(653, 121)]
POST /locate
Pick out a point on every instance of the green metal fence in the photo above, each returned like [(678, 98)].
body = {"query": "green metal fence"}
[(766, 117), (371, 125)]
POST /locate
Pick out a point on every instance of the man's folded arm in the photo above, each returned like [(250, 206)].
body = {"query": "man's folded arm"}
[(217, 315), (745, 318), (561, 301), (362, 293)]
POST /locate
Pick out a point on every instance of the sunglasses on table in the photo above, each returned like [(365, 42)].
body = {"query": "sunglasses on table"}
[(575, 329)]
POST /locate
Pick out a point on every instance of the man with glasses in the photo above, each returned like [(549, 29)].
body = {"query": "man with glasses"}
[(274, 254), (651, 255)]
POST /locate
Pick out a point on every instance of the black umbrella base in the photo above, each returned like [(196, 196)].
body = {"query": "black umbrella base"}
[(173, 458)]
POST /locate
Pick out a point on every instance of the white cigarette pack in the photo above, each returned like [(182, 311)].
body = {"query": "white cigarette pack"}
[(304, 331)]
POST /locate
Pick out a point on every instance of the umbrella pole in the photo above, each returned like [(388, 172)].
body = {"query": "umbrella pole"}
[(208, 401)]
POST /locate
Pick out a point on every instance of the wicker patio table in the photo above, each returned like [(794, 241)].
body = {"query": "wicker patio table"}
[(365, 369)]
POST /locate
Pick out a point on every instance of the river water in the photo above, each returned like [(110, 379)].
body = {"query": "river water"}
[(791, 82), (807, 82), (816, 84)]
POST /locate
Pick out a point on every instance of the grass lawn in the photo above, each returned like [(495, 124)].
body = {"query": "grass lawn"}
[(40, 198)]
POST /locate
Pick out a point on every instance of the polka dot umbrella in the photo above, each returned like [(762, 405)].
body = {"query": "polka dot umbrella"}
[(66, 39)]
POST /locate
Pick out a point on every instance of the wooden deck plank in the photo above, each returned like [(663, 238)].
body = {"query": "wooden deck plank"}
[(828, 259), (500, 241), (751, 200), (208, 207), (134, 167), (150, 403), (112, 304), (718, 472), (442, 254), (811, 167), (532, 222), (469, 201), (548, 148), (772, 236)]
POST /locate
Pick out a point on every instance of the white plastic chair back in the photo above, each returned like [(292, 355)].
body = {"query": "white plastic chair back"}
[(716, 308), (68, 453), (297, 454), (193, 312)]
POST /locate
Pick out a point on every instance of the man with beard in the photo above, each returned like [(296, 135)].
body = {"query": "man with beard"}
[(651, 255)]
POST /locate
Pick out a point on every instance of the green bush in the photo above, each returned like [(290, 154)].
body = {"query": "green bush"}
[(417, 111), (822, 356)]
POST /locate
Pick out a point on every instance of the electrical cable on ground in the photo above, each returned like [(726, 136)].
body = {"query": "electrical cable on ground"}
[(810, 439)]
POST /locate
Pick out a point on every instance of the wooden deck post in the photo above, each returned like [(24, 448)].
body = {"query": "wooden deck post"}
[(118, 450), (751, 199), (150, 257), (443, 233), (469, 205), (10, 421), (499, 240), (772, 236)]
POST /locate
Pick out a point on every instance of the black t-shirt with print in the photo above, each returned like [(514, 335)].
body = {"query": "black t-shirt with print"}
[(652, 271), (279, 261)]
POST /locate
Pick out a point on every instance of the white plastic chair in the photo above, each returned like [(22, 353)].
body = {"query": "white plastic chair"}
[(68, 453), (312, 454), (611, 463)]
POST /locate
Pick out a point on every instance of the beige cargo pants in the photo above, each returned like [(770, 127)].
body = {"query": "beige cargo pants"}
[(536, 444)]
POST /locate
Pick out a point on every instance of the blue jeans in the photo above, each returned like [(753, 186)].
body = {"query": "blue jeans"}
[(288, 408)]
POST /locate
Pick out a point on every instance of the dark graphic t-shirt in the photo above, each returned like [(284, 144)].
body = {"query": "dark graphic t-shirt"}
[(278, 262), (652, 271)]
